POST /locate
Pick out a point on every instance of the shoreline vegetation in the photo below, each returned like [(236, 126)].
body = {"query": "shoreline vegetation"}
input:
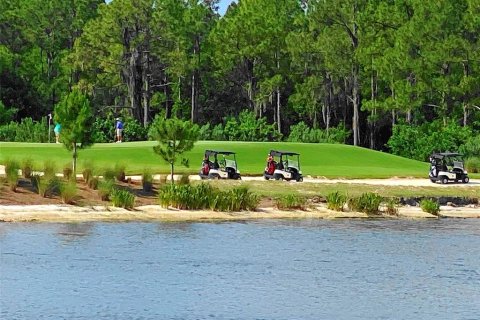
[(390, 198)]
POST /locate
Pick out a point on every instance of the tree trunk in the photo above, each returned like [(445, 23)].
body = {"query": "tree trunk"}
[(465, 114), (74, 160), (146, 90), (171, 172), (279, 118), (356, 107)]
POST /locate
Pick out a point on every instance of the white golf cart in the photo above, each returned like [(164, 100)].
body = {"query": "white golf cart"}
[(445, 167), (283, 165), (223, 168)]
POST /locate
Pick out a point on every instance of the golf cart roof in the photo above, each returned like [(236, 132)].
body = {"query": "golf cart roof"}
[(276, 153), (445, 155), (215, 152)]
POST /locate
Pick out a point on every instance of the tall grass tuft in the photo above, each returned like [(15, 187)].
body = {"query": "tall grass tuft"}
[(184, 179), (203, 196), (109, 174), (147, 180), (68, 172), (430, 206), (27, 168), (336, 201), (49, 169), (291, 201), (122, 198), (391, 206), (88, 171), (68, 192), (45, 186), (119, 172), (105, 188), (11, 172), (367, 203), (93, 183)]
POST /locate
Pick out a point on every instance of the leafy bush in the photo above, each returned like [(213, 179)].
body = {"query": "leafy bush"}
[(245, 127), (203, 196), (103, 129), (27, 168), (291, 201), (105, 188), (473, 165), (68, 192), (303, 133), (391, 206), (336, 201), (27, 130), (418, 142), (471, 148), (147, 180), (122, 198), (367, 203), (11, 172), (430, 206)]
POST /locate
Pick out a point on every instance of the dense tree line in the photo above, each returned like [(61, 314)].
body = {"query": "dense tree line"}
[(363, 65)]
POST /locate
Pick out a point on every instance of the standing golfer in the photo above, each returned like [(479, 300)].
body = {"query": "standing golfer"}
[(119, 129), (57, 129)]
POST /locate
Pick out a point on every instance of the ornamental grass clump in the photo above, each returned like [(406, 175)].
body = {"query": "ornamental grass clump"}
[(27, 168), (87, 171), (367, 203), (430, 206), (68, 172), (147, 180), (119, 172), (109, 175), (336, 201), (291, 202), (45, 186), (391, 206), (204, 196), (93, 183), (122, 198), (49, 170), (68, 192), (11, 172), (105, 188), (184, 179)]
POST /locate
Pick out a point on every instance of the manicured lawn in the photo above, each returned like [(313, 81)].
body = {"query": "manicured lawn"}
[(324, 160)]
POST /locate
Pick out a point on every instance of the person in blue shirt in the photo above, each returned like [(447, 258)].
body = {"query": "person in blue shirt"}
[(57, 129), (119, 129)]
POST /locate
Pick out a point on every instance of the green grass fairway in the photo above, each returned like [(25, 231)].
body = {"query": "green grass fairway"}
[(323, 160)]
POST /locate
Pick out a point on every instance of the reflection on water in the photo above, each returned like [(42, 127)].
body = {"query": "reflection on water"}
[(305, 269)]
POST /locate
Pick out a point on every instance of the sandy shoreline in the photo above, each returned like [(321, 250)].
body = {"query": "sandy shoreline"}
[(67, 213)]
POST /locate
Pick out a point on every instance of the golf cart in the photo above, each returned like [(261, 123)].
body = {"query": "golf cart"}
[(283, 165), (224, 168), (445, 167)]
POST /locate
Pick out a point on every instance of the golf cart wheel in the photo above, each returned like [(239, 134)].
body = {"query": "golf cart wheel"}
[(214, 177), (278, 177), (266, 178), (466, 180), (299, 179), (444, 180), (433, 180)]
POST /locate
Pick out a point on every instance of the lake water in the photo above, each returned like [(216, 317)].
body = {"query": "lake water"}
[(308, 269)]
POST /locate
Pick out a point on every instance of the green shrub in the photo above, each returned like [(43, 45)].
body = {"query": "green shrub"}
[(93, 183), (473, 165), (301, 132), (27, 130), (27, 168), (336, 201), (430, 206), (291, 201), (11, 171), (471, 148), (105, 188), (391, 206), (119, 172), (122, 198), (109, 175), (367, 203), (103, 132), (68, 192), (147, 181)]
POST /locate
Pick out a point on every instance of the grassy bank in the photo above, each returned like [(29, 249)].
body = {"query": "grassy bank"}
[(325, 160)]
